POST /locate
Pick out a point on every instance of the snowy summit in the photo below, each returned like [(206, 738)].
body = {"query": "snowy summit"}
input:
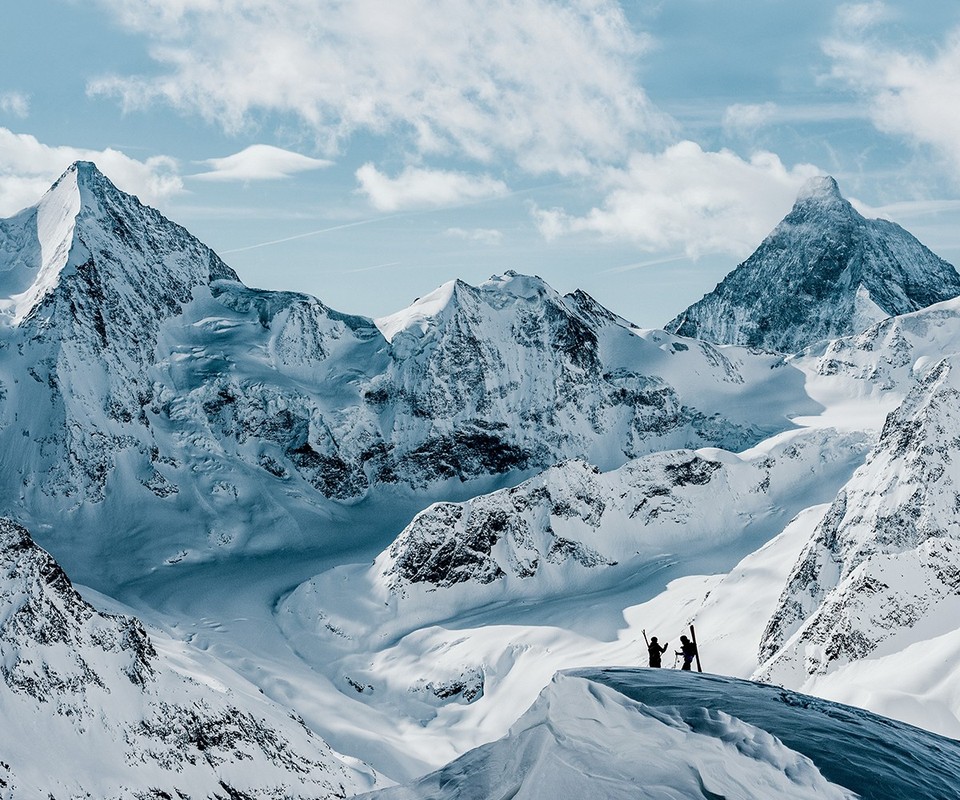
[(825, 271)]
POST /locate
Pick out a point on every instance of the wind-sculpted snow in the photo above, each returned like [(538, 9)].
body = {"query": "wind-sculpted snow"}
[(140, 374), (883, 568), (618, 733), (92, 708), (825, 271)]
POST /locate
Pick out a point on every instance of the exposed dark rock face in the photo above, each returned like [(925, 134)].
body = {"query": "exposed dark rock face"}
[(825, 271)]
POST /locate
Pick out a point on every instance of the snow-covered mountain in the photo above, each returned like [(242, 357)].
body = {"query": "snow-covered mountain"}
[(626, 734), (536, 482), (93, 706), (147, 389), (825, 271), (882, 571)]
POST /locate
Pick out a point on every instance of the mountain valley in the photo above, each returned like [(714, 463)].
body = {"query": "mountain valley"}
[(354, 551)]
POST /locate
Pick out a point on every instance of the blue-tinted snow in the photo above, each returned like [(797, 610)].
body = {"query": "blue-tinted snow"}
[(879, 758)]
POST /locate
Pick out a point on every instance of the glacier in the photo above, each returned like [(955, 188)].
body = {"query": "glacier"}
[(355, 551)]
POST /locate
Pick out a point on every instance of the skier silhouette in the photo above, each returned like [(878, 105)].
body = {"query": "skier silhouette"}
[(655, 649), (688, 650)]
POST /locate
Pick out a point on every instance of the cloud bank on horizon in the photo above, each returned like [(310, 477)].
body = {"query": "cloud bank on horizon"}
[(421, 106)]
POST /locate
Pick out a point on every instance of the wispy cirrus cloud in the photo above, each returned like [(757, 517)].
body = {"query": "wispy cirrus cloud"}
[(548, 84), (742, 118), (487, 236), (15, 103), (690, 199), (417, 188), (259, 162), (28, 167), (909, 93)]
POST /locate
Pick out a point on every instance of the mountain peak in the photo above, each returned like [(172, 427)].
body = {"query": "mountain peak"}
[(825, 271), (81, 175), (819, 189), (86, 170)]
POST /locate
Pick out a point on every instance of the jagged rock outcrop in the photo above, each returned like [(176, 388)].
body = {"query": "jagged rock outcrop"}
[(116, 717), (825, 271), (575, 516), (885, 561)]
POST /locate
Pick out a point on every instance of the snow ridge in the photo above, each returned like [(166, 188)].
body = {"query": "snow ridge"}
[(657, 733)]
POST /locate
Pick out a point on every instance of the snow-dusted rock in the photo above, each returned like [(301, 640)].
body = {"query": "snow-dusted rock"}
[(510, 375), (573, 517), (825, 271), (883, 568), (93, 707), (889, 356)]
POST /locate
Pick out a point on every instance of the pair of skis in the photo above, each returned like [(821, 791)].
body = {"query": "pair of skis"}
[(693, 638)]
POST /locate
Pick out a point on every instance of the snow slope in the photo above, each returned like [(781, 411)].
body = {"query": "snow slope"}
[(466, 616), (825, 271), (118, 713), (620, 733)]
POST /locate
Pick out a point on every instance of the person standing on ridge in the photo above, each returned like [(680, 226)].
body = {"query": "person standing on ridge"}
[(655, 649), (688, 650)]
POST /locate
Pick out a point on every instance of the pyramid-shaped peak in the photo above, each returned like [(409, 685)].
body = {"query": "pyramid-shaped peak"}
[(87, 178), (825, 271), (81, 173), (822, 188)]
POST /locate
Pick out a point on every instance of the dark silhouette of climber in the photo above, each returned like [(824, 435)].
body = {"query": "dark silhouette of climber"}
[(688, 650), (655, 649)]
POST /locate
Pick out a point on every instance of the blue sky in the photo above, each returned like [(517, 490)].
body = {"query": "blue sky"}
[(365, 152)]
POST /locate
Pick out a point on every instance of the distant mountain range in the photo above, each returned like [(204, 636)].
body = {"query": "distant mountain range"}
[(141, 374), (359, 549)]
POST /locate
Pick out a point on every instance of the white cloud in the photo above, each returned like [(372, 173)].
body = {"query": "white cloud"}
[(488, 236), (909, 94), (741, 118), (259, 162), (701, 202), (425, 188), (28, 168), (852, 16), (15, 103), (549, 84)]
